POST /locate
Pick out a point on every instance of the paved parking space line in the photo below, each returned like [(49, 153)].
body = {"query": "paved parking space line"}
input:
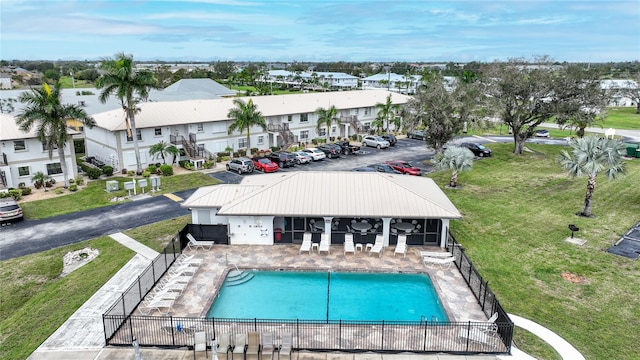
[(484, 138), (174, 197)]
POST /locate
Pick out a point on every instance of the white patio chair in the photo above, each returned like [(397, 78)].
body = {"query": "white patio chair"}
[(195, 244)]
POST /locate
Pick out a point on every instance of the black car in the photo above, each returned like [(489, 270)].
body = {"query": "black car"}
[(283, 159), (416, 134), (364, 169), (477, 149), (385, 168), (331, 150), (390, 138)]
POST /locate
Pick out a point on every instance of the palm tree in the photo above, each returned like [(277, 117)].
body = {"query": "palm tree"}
[(173, 151), (246, 115), (327, 117), (456, 159), (591, 155), (161, 148), (130, 87), (387, 111), (44, 111)]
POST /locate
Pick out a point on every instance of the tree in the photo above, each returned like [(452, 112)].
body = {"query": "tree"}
[(387, 111), (161, 148), (130, 87), (522, 95), (39, 179), (44, 111), (589, 156), (456, 159), (326, 117), (631, 89), (246, 115)]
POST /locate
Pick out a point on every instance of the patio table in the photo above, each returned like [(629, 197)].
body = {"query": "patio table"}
[(360, 226), (404, 226)]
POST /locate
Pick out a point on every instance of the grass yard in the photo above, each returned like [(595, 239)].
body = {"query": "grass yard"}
[(94, 195), (516, 211), (622, 118)]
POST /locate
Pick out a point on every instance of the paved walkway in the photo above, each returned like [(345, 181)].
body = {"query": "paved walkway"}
[(82, 336), (633, 135)]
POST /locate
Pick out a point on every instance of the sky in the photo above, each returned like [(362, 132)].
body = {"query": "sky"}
[(320, 30)]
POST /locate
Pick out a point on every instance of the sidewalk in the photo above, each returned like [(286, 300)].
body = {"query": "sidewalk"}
[(633, 135)]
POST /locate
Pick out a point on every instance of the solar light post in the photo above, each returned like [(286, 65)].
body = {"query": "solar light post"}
[(573, 228)]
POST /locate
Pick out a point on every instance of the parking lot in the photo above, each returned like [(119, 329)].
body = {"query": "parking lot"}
[(414, 151)]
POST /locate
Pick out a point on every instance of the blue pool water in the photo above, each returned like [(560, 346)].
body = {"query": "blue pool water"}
[(330, 296)]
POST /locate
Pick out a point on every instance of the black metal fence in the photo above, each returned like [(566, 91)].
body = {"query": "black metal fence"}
[(322, 335)]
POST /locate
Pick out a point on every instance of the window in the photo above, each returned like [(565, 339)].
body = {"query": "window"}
[(304, 134), (157, 131), (19, 145), (304, 117), (261, 139), (242, 143), (130, 138), (289, 118), (54, 168), (322, 132), (356, 111), (333, 129), (367, 111), (23, 171), (200, 128)]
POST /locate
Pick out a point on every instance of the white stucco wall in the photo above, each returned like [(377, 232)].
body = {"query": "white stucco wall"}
[(251, 230)]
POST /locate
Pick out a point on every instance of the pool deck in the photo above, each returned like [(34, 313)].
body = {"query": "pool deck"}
[(81, 336)]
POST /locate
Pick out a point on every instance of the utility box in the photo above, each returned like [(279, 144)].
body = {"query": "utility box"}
[(142, 183), (155, 183), (113, 185)]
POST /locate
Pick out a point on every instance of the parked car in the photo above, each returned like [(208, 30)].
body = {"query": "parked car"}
[(302, 157), (347, 148), (375, 141), (417, 134), (316, 154), (364, 169), (331, 150), (265, 165), (390, 138), (477, 149), (542, 133), (405, 167), (10, 211), (385, 168), (241, 165), (283, 159)]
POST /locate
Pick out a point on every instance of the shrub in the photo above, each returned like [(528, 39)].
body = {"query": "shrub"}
[(242, 152), (158, 165), (22, 185), (314, 141), (80, 180), (58, 191), (146, 174), (107, 170), (167, 170), (71, 181), (93, 173), (183, 162), (16, 194), (223, 154), (124, 172), (188, 165), (152, 169), (48, 184), (131, 173), (73, 187), (208, 164), (26, 191), (275, 148), (254, 150)]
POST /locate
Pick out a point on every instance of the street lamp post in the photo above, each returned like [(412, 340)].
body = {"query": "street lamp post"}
[(388, 69)]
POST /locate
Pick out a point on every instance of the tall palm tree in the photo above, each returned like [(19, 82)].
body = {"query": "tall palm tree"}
[(130, 87), (246, 115), (591, 155), (387, 111), (327, 117), (44, 111), (456, 159)]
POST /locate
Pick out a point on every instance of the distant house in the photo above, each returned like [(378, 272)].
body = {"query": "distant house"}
[(405, 84), (333, 80), (5, 81), (200, 127), (22, 155), (616, 89), (189, 89)]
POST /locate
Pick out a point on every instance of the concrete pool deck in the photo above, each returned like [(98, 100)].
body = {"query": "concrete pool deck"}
[(81, 336)]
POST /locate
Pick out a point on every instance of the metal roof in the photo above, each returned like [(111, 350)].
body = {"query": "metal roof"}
[(338, 194), (165, 113)]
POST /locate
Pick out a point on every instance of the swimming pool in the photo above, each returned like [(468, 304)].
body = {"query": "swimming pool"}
[(329, 296)]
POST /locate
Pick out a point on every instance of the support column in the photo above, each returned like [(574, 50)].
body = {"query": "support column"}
[(328, 220), (386, 229), (443, 233)]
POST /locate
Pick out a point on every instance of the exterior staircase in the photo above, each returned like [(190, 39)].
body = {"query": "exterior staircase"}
[(352, 120), (286, 137), (191, 148)]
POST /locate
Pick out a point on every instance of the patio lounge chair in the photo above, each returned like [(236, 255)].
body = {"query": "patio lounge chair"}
[(194, 244), (285, 347), (349, 247), (267, 346), (401, 246), (306, 243), (435, 254), (378, 246), (489, 326), (188, 260), (253, 346), (239, 346), (224, 345), (473, 334), (443, 263), (200, 343), (324, 244), (149, 305)]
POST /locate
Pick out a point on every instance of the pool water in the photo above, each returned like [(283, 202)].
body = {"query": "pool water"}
[(330, 296)]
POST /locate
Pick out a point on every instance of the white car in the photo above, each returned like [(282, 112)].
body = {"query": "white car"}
[(316, 154), (302, 157), (375, 141)]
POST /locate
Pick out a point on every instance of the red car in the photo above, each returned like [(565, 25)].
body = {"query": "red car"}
[(265, 165), (405, 167)]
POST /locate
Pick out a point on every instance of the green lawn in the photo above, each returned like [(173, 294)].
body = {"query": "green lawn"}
[(622, 118), (66, 83), (516, 210), (94, 195)]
